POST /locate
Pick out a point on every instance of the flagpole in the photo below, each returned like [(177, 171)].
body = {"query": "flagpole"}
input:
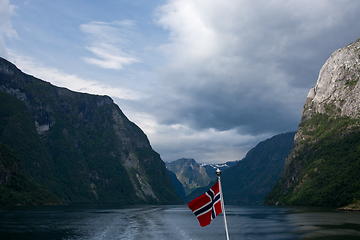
[(218, 173)]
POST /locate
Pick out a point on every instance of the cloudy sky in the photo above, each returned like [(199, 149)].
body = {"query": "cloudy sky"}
[(204, 79)]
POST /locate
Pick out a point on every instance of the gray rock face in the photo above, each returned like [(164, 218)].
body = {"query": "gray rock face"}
[(337, 90)]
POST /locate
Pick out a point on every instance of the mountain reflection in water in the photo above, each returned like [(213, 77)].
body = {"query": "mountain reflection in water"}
[(175, 222)]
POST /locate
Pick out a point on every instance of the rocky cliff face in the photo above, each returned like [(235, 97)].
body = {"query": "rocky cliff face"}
[(79, 146), (320, 170), (337, 89)]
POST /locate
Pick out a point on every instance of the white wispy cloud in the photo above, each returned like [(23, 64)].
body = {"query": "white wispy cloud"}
[(109, 43), (191, 33), (70, 81), (6, 30)]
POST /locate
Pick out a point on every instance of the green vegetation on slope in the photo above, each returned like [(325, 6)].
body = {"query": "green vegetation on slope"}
[(86, 174), (329, 165), (80, 147), (16, 188)]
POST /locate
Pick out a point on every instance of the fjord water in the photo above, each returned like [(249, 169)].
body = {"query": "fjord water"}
[(175, 222)]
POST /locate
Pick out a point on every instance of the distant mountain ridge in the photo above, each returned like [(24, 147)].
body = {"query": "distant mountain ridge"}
[(249, 180), (323, 168), (71, 147), (193, 175)]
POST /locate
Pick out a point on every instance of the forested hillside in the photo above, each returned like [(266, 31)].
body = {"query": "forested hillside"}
[(72, 148), (323, 168)]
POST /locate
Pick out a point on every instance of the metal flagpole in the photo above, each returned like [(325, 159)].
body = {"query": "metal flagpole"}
[(218, 173)]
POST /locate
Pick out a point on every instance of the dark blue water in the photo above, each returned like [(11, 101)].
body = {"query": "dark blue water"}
[(175, 222)]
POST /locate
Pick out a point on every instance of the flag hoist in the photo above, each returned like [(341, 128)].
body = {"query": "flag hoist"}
[(207, 206)]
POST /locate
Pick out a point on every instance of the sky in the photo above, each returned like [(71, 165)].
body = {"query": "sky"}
[(204, 79)]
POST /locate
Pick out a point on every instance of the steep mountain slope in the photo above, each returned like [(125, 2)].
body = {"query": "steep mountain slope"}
[(79, 147), (179, 188), (252, 178), (323, 168)]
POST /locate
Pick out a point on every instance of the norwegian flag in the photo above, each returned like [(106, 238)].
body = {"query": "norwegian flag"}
[(207, 206)]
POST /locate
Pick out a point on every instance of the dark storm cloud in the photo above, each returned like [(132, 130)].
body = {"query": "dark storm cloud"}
[(252, 70)]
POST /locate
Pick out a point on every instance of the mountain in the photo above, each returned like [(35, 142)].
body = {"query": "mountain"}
[(189, 173), (62, 147), (193, 175), (323, 168), (247, 182)]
